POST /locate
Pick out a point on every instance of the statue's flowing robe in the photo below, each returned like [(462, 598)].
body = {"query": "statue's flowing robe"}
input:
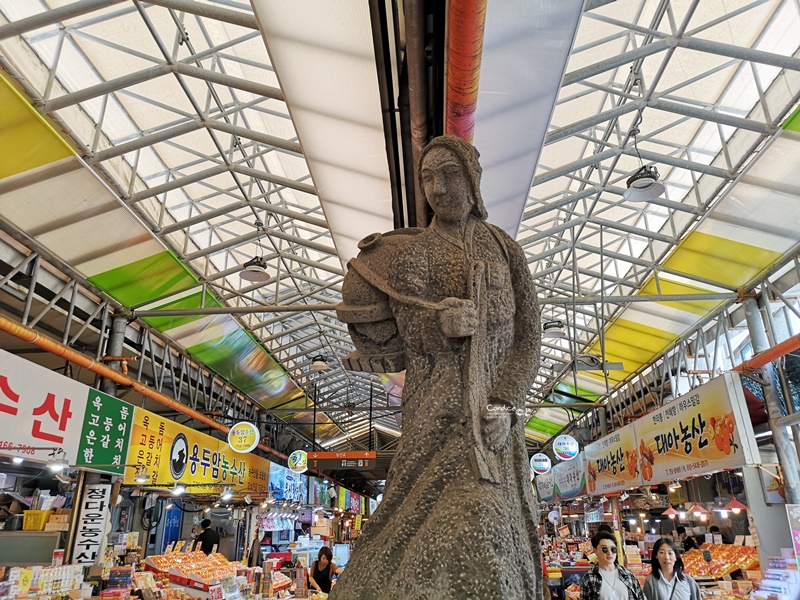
[(443, 530)]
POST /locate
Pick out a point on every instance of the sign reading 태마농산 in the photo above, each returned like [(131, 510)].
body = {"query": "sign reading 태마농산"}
[(705, 430), (243, 437), (612, 462), (89, 533)]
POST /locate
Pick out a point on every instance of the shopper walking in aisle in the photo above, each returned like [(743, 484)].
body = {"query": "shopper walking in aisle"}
[(668, 581), (608, 580)]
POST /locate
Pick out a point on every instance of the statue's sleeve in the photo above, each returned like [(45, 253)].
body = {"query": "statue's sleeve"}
[(523, 360)]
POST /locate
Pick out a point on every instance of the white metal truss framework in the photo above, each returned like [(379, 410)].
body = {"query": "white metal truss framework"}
[(175, 104)]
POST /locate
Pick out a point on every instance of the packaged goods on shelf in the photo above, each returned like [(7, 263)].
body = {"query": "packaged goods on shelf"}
[(42, 581), (194, 569), (725, 559)]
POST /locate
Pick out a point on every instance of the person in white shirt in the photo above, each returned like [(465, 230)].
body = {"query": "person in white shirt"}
[(668, 581)]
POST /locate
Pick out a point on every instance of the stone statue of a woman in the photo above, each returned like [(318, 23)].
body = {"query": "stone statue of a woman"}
[(454, 305)]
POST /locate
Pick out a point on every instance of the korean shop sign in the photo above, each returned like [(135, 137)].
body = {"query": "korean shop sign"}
[(106, 431), (39, 408), (569, 478), (94, 508), (171, 452), (545, 487), (702, 431), (612, 462), (243, 437)]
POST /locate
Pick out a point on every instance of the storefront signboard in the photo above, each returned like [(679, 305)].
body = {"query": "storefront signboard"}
[(174, 453), (706, 430), (90, 529), (565, 447), (355, 503), (298, 461), (106, 433), (243, 437), (570, 478), (540, 463), (612, 462), (341, 498), (594, 516), (172, 526), (287, 485), (545, 487), (39, 408), (793, 511)]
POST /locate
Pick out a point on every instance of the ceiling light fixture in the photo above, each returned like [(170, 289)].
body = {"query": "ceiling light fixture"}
[(554, 329), (670, 512), (18, 460), (58, 462), (318, 363), (735, 506), (226, 495), (178, 489), (698, 511), (169, 505), (643, 186), (255, 269)]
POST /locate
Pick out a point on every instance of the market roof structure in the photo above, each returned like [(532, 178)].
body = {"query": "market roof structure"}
[(151, 149)]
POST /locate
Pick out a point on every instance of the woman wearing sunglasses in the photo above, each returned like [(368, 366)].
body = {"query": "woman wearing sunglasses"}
[(668, 581), (608, 580)]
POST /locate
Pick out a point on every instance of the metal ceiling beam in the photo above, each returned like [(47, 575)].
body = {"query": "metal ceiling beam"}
[(214, 171), (190, 127), (643, 298), (243, 239), (257, 136), (672, 107), (209, 11), (235, 310), (749, 54), (114, 85), (53, 16), (618, 61)]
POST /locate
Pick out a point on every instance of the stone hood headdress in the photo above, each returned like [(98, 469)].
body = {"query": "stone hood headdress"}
[(468, 155)]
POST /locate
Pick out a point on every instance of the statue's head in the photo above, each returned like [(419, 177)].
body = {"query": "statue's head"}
[(464, 153)]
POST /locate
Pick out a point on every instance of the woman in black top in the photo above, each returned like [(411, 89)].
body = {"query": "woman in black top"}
[(323, 570)]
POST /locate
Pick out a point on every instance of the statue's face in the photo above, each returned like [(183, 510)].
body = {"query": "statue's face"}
[(446, 185)]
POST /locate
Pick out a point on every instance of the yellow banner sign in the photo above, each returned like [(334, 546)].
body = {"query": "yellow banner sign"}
[(699, 432), (612, 463), (174, 453)]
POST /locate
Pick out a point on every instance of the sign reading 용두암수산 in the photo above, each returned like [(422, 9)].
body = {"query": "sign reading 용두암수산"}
[(612, 462), (174, 453), (702, 431)]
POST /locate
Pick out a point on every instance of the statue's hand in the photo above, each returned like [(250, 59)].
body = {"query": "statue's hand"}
[(496, 425), (458, 317)]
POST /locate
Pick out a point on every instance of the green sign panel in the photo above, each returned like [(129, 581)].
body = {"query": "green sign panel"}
[(106, 433)]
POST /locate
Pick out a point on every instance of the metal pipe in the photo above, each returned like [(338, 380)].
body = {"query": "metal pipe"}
[(53, 16), (217, 13), (783, 447), (116, 342), (235, 310), (417, 96), (642, 298), (770, 354), (37, 339), (465, 23)]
